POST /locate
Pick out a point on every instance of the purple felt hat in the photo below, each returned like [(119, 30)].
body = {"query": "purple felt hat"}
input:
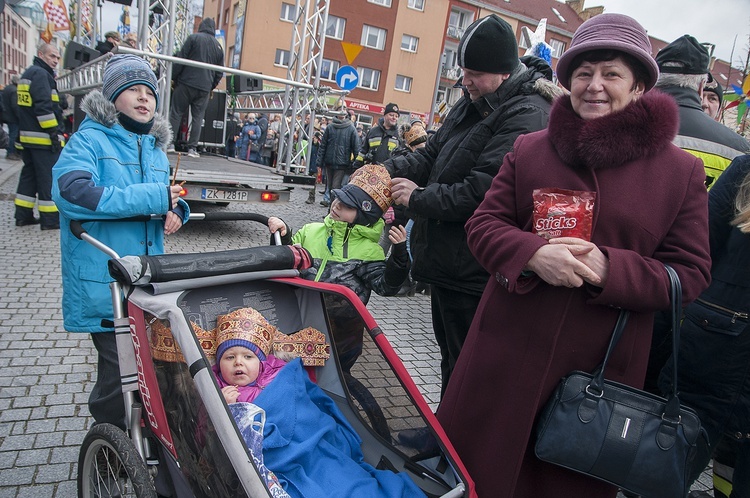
[(609, 32)]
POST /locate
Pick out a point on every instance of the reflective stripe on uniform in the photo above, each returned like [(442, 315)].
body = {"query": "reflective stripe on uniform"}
[(24, 201), (716, 157), (47, 207), (47, 120), (55, 97), (23, 95), (34, 138)]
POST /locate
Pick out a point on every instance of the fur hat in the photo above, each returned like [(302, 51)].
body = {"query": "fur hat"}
[(609, 32), (124, 71), (244, 327), (413, 133), (489, 45), (368, 191), (390, 108)]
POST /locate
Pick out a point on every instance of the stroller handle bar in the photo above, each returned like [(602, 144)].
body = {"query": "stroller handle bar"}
[(76, 226)]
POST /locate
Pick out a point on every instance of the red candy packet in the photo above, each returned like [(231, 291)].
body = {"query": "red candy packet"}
[(563, 213)]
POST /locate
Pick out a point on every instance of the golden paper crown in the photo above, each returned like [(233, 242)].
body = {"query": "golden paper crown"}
[(165, 348), (414, 134), (244, 325), (308, 344), (376, 182)]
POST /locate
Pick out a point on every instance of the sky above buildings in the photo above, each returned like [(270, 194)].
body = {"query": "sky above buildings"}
[(716, 21)]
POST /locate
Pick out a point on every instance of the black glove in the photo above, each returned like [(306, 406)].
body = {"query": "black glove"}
[(55, 139)]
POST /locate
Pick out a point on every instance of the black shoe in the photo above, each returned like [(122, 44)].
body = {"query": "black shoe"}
[(325, 203), (50, 227), (25, 223)]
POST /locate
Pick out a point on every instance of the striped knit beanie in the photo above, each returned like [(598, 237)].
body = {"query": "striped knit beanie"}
[(124, 71), (489, 46)]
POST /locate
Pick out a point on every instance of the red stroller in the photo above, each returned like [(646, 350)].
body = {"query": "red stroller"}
[(182, 440)]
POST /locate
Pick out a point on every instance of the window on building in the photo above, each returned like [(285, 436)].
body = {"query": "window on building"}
[(373, 37), (384, 3), (458, 21), (409, 43), (226, 15), (335, 28), (403, 83), (288, 12), (369, 78), (282, 58), (237, 13), (558, 47), (328, 69), (416, 4)]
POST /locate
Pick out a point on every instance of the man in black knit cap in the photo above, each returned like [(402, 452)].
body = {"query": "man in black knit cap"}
[(444, 182)]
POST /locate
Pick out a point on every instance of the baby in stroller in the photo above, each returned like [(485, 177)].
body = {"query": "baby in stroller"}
[(307, 442)]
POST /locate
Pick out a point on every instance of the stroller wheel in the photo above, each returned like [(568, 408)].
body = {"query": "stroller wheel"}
[(109, 466)]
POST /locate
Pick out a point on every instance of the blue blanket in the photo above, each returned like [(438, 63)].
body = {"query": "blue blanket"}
[(312, 448)]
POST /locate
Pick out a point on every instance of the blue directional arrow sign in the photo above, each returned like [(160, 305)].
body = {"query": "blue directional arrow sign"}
[(347, 78)]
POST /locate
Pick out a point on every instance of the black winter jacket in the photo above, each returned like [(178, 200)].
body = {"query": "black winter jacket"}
[(201, 47), (700, 135), (715, 334), (339, 145), (40, 120), (10, 104), (456, 167), (374, 145)]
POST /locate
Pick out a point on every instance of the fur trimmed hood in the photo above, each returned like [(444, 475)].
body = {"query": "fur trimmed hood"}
[(640, 130), (101, 110)]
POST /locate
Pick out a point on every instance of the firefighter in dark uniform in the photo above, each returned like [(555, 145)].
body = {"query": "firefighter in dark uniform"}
[(40, 135)]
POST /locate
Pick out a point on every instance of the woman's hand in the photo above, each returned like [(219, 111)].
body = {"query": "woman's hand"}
[(589, 254), (556, 265), (397, 235), (172, 223), (231, 393), (276, 225)]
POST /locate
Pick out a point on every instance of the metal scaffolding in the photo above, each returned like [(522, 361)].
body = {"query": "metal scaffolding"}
[(299, 97)]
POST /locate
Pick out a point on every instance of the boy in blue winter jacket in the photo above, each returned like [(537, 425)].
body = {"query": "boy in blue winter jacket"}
[(113, 167)]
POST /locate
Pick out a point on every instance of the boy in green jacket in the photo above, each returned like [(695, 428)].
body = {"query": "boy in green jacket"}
[(345, 247)]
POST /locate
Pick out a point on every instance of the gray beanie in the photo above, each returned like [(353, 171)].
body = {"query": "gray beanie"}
[(124, 71), (489, 45)]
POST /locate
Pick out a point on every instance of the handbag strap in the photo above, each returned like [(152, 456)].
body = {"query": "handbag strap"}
[(672, 411)]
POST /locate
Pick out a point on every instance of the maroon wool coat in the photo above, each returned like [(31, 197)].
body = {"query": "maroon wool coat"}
[(651, 208)]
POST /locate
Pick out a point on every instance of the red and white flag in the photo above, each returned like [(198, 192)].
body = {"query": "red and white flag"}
[(57, 14)]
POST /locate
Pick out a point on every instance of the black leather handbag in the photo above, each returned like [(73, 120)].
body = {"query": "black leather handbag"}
[(616, 433)]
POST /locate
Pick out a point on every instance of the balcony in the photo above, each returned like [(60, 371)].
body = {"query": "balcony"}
[(451, 73), (455, 32)]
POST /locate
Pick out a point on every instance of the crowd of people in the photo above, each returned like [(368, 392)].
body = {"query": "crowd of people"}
[(625, 144)]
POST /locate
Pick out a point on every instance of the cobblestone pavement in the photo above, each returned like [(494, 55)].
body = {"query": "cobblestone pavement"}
[(47, 373)]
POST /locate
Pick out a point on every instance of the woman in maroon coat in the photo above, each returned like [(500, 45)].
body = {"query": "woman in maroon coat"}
[(554, 299)]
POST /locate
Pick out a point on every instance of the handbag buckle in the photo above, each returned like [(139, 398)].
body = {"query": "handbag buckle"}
[(671, 421), (595, 395)]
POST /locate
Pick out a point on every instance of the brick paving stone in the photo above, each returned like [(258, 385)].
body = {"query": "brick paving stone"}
[(33, 457), (40, 491), (54, 473)]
